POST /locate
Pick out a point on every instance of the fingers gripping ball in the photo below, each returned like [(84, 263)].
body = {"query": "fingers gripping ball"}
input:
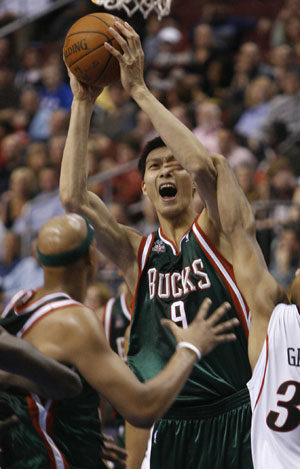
[(84, 50)]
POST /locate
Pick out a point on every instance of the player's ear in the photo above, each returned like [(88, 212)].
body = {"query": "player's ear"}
[(143, 187)]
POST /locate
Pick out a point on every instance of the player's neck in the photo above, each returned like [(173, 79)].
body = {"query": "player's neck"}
[(71, 284), (175, 228)]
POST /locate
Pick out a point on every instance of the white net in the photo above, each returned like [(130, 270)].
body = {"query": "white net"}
[(161, 7)]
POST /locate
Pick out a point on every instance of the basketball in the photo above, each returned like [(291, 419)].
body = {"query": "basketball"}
[(84, 50)]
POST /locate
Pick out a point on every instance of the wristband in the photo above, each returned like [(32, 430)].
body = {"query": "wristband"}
[(191, 347)]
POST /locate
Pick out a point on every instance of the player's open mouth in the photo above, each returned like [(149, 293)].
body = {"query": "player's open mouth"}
[(168, 191)]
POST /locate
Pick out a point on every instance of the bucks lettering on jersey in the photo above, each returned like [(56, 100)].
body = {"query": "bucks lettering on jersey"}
[(173, 285), (50, 434)]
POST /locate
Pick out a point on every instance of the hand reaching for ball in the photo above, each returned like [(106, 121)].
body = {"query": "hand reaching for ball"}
[(82, 92), (132, 59)]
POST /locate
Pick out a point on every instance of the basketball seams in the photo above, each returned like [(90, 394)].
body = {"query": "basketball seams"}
[(89, 32), (101, 20), (103, 69)]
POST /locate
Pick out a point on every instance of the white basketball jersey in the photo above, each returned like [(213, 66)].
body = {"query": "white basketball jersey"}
[(275, 394)]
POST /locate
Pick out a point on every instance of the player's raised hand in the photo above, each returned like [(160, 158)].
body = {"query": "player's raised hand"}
[(132, 59), (205, 333), (83, 92)]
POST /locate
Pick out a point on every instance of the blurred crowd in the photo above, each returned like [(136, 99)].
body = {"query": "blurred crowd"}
[(232, 77)]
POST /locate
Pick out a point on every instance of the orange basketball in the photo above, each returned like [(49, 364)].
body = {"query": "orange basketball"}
[(84, 50)]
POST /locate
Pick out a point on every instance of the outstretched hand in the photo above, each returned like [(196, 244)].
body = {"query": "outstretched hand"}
[(112, 452), (83, 92), (205, 333), (132, 59)]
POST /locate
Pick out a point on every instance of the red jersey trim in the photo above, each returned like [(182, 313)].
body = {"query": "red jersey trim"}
[(225, 270), (55, 460), (164, 238), (41, 315), (143, 254)]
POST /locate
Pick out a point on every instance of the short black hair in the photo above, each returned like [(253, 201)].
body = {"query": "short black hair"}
[(156, 142)]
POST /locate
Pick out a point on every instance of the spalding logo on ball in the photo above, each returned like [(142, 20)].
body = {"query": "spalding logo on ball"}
[(84, 50)]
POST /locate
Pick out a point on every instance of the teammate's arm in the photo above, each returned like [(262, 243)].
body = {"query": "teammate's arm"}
[(257, 285), (82, 342), (117, 242), (33, 370), (136, 441)]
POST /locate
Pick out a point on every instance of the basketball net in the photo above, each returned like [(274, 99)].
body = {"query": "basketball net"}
[(161, 7)]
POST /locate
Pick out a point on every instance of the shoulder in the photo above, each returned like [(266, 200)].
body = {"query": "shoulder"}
[(215, 236), (66, 333)]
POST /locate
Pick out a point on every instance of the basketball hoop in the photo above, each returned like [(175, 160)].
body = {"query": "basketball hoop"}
[(161, 7)]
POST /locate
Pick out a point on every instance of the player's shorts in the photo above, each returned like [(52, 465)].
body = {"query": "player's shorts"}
[(215, 436)]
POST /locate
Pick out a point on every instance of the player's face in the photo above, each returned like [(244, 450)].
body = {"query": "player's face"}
[(167, 184)]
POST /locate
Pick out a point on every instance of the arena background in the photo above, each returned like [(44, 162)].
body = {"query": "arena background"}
[(230, 70)]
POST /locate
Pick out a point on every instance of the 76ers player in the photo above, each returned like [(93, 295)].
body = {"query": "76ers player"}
[(274, 346)]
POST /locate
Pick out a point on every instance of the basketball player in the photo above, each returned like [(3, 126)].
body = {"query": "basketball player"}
[(274, 350), (171, 271), (66, 433), (115, 317)]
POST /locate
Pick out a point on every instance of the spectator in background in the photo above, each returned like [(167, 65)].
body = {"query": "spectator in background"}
[(151, 40), (54, 94), (284, 30), (149, 221), (56, 144), (208, 120), (29, 73), (25, 274), (127, 186), (143, 130), (286, 106), (203, 51), (45, 205), (11, 252), (285, 255), (257, 102), (30, 102), (181, 112), (233, 152), (36, 156), (11, 149), (9, 94), (97, 295), (59, 121), (281, 58), (248, 65), (119, 119), (245, 174), (22, 187)]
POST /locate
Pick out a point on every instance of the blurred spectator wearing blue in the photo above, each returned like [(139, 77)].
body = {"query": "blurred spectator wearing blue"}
[(54, 94)]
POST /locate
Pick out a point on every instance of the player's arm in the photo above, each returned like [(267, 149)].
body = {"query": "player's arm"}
[(116, 242), (136, 445), (85, 346), (257, 285), (24, 366), (184, 145)]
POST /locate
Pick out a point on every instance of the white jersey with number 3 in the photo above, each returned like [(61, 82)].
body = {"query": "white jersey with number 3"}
[(275, 394)]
